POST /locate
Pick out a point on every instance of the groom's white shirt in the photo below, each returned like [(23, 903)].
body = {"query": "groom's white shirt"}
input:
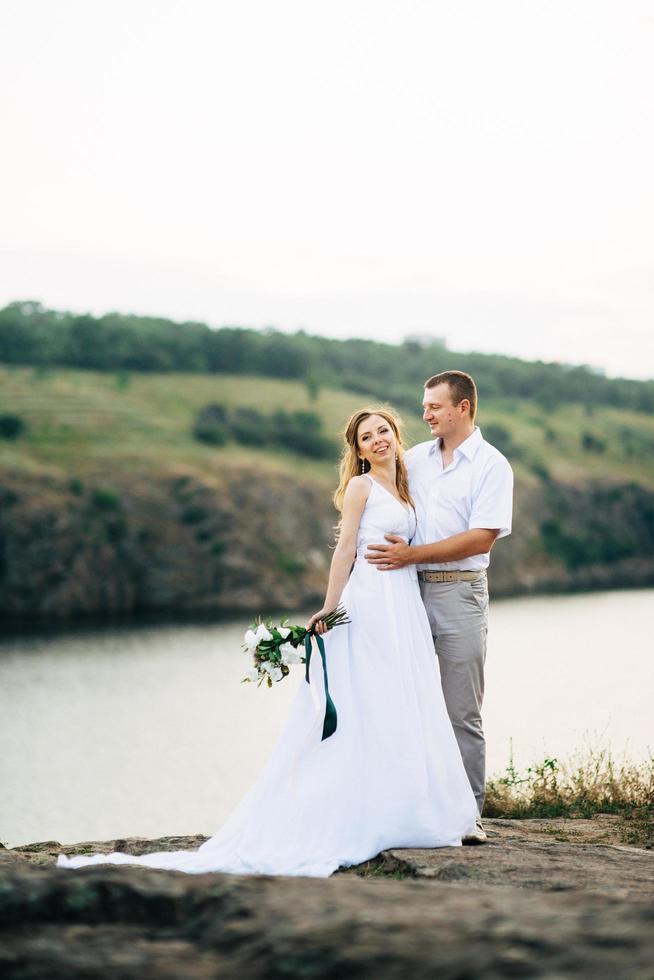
[(475, 490)]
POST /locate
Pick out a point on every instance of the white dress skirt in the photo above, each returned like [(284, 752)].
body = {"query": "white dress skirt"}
[(391, 775)]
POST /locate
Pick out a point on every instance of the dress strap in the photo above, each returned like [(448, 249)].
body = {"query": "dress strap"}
[(374, 482)]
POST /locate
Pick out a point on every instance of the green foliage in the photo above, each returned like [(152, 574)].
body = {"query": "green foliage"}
[(500, 437), (210, 425), (635, 443), (300, 431), (180, 487), (312, 384), (8, 497), (105, 498), (598, 525), (591, 443), (297, 431), (541, 471), (195, 514), (76, 486), (11, 426), (249, 427), (31, 334), (116, 530), (288, 564)]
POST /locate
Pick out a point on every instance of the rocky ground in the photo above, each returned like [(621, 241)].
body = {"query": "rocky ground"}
[(544, 898)]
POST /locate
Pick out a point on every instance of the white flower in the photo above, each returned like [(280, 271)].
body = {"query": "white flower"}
[(251, 641), (283, 631), (289, 654), (251, 674), (266, 665), (276, 673), (262, 632)]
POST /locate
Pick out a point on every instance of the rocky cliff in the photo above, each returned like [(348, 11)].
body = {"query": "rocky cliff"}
[(171, 542), (162, 540)]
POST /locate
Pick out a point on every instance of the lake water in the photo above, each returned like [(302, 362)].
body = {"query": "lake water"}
[(146, 731)]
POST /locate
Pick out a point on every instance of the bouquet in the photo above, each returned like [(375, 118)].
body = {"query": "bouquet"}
[(276, 648)]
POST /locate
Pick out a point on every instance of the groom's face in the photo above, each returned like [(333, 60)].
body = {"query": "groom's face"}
[(439, 412)]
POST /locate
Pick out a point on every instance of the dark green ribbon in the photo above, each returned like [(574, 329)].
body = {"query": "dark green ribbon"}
[(329, 723)]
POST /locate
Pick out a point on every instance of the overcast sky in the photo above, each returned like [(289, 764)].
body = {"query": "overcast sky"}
[(478, 170)]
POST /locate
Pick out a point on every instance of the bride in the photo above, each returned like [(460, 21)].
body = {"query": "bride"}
[(391, 775)]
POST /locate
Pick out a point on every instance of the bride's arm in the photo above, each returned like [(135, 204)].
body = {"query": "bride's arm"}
[(354, 500)]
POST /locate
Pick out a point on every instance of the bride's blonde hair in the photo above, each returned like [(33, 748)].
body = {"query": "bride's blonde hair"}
[(351, 462)]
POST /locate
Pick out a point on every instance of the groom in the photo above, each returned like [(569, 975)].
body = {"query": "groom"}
[(463, 491)]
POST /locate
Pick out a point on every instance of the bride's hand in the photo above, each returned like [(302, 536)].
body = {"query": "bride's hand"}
[(317, 622)]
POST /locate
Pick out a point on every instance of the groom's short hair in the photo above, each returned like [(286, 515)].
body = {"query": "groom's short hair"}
[(461, 385)]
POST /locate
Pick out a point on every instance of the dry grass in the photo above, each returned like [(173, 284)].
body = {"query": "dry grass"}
[(589, 783)]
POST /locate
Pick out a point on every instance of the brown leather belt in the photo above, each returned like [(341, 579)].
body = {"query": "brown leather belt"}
[(450, 576)]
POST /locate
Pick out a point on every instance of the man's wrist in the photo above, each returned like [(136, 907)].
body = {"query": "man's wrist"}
[(423, 553)]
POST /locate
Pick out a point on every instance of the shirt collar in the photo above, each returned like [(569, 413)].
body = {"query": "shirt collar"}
[(468, 447)]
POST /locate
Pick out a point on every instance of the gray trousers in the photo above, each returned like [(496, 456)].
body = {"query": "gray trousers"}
[(458, 616)]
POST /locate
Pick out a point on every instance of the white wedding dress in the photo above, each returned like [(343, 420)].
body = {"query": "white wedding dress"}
[(390, 776)]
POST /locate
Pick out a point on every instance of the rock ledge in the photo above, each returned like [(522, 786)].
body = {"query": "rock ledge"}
[(525, 905)]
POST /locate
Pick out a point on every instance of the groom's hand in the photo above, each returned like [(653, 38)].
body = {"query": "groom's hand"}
[(388, 557)]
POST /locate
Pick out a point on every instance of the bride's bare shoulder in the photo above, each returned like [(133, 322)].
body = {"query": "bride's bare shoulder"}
[(358, 487)]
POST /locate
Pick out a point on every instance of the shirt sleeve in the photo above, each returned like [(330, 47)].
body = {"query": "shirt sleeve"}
[(409, 457), (492, 503), (416, 453)]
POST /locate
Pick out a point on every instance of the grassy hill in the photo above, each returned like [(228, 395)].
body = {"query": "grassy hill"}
[(81, 421), (110, 504)]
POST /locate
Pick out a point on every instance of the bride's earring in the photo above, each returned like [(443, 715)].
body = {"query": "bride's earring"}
[(362, 466)]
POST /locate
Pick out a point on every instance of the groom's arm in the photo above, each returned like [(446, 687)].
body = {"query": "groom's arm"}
[(476, 541)]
